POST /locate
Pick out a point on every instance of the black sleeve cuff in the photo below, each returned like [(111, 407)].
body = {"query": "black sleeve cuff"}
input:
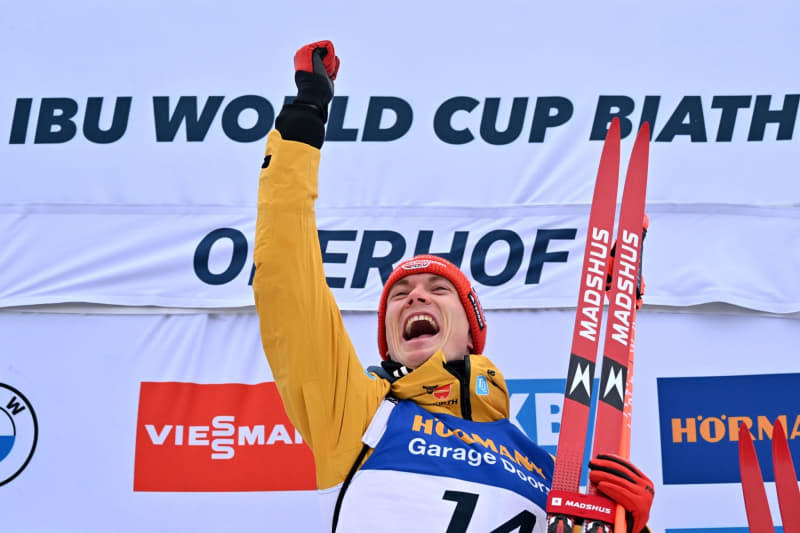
[(302, 123)]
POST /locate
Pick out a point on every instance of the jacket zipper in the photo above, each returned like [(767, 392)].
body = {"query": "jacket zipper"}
[(466, 404)]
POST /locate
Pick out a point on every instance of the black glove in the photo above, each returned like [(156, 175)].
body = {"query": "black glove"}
[(316, 66)]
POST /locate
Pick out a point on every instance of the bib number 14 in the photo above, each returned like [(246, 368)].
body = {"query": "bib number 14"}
[(465, 507)]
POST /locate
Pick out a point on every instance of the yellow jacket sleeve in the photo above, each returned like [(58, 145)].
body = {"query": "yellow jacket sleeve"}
[(326, 393)]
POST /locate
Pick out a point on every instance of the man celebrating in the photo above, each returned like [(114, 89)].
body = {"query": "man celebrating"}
[(423, 441)]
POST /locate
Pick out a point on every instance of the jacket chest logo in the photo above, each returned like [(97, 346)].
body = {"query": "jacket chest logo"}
[(440, 392)]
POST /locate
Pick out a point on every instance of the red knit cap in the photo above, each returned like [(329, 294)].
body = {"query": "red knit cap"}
[(431, 264)]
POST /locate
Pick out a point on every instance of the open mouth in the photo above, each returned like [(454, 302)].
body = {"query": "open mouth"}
[(420, 325)]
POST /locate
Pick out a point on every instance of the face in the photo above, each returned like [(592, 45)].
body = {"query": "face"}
[(424, 314)]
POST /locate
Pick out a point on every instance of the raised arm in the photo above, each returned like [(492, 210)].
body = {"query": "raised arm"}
[(325, 391)]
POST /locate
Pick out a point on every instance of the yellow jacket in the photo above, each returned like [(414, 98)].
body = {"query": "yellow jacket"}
[(327, 394)]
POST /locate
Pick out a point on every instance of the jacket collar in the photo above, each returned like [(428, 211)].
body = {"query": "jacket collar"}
[(479, 394)]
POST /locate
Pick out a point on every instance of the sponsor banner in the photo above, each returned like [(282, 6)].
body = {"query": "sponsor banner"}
[(497, 144), (523, 257), (188, 143), (700, 419), (227, 437), (236, 437), (85, 467)]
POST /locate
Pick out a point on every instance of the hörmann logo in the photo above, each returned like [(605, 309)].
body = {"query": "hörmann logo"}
[(219, 437), (389, 118), (700, 417), (714, 429)]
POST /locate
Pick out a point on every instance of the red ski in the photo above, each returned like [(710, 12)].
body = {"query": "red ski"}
[(785, 481), (755, 497), (585, 337), (622, 306), (564, 498), (609, 432)]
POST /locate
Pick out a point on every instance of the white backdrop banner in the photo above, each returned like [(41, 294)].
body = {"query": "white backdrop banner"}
[(476, 113), (130, 141), (109, 185), (172, 422), (517, 257)]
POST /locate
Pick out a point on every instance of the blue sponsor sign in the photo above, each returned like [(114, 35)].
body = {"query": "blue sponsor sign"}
[(536, 406), (700, 417)]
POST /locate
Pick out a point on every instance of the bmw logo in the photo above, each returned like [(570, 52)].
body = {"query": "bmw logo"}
[(18, 433)]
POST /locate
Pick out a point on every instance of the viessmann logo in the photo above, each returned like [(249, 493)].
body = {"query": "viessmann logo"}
[(217, 437)]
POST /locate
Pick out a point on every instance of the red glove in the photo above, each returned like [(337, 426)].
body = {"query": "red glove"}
[(303, 59), (316, 66), (619, 480)]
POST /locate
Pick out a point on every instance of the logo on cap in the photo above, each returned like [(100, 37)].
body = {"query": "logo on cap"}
[(420, 263)]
